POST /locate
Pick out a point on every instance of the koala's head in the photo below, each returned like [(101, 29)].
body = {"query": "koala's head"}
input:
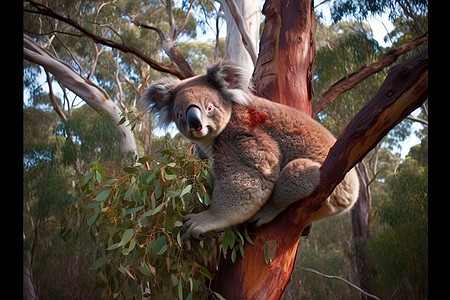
[(200, 106)]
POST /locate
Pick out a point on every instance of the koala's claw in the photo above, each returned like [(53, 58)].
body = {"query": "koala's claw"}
[(192, 227), (258, 220)]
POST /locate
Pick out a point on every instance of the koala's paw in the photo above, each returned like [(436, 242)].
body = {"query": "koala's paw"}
[(196, 225)]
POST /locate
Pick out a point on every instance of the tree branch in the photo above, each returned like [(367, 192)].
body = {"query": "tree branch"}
[(168, 45), (92, 94), (132, 85), (342, 279), (146, 26), (404, 90), (186, 19), (47, 11), (349, 81), (119, 86), (415, 119), (55, 105), (171, 18), (80, 69), (94, 64)]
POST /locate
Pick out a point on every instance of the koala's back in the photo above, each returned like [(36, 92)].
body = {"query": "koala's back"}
[(296, 134)]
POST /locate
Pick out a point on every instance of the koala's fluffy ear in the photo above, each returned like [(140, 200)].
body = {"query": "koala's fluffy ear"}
[(158, 98), (232, 80)]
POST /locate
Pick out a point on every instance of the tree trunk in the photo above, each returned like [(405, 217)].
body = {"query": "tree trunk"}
[(404, 89), (283, 74), (360, 215), (29, 289), (284, 69), (92, 94), (243, 20)]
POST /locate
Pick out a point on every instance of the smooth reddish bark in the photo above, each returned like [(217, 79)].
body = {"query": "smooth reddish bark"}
[(284, 69)]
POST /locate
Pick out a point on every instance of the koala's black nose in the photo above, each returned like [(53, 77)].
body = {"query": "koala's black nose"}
[(194, 118)]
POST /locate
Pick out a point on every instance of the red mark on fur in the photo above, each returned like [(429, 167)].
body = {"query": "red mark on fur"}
[(256, 118)]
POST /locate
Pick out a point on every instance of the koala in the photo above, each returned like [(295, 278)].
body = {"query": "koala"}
[(264, 155)]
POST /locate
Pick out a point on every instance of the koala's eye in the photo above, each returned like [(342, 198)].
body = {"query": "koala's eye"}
[(180, 114), (210, 108)]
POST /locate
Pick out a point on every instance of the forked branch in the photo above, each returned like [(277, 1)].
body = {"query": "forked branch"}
[(47, 11), (349, 81), (404, 90)]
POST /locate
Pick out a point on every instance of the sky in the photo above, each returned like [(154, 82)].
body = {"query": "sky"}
[(380, 25)]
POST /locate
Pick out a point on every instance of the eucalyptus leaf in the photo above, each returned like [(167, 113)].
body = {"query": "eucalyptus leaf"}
[(99, 263), (270, 248), (186, 190), (126, 237), (103, 195), (159, 244)]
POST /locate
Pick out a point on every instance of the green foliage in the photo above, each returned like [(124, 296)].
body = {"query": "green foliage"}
[(89, 134), (352, 44), (233, 240), (134, 215), (362, 9), (400, 251), (419, 152), (329, 249), (53, 151), (45, 183)]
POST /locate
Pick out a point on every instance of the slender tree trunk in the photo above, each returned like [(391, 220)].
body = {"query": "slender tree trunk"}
[(92, 94), (29, 289), (243, 18), (360, 215)]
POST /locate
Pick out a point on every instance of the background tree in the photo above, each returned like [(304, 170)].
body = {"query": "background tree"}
[(243, 22), (104, 49)]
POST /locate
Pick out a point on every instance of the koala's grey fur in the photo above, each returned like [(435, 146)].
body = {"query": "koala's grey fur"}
[(265, 155)]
